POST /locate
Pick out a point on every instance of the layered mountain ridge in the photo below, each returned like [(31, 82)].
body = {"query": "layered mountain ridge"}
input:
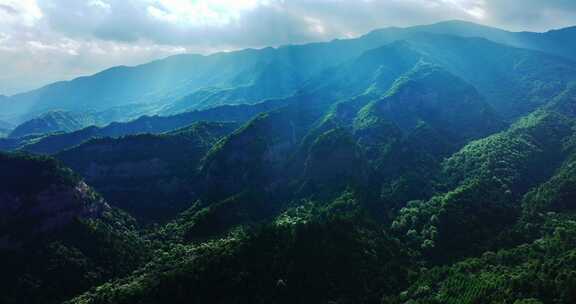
[(247, 76), (432, 164)]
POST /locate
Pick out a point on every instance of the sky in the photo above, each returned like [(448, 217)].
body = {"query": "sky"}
[(43, 41)]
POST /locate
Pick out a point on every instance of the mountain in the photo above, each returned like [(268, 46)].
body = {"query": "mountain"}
[(5, 128), (168, 86), (247, 76), (302, 257), (515, 72), (255, 153), (409, 114), (150, 176), (408, 166), (4, 132), (428, 94), (297, 152), (373, 72), (56, 196), (487, 278), (545, 228), (53, 143), (510, 80), (53, 121), (491, 178), (56, 232), (320, 243), (484, 183), (555, 195), (557, 42), (427, 114)]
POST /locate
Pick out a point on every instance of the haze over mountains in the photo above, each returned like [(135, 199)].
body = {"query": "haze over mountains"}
[(430, 164), (167, 86)]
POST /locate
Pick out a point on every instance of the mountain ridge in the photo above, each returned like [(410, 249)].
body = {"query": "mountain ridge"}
[(401, 167), (232, 65)]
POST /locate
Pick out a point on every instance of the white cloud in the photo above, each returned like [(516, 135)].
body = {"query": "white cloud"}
[(202, 12), (21, 12)]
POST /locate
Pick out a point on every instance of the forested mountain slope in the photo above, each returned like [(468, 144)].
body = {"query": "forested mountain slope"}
[(53, 121), (52, 143), (502, 198), (414, 165), (150, 176), (56, 234)]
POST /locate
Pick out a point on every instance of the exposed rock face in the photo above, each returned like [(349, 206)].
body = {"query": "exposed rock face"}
[(38, 195), (25, 217), (60, 205)]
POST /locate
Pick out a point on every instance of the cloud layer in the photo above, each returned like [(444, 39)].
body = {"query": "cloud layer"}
[(48, 40)]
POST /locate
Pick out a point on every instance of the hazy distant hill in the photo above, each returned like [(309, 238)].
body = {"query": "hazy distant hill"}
[(165, 81), (559, 42), (187, 82), (5, 128), (53, 121), (53, 143)]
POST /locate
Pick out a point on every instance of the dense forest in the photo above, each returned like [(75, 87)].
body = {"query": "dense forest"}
[(423, 165)]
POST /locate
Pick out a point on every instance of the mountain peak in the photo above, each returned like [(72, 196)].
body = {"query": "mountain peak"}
[(460, 28), (460, 22), (430, 94), (397, 54), (427, 76), (53, 121), (567, 32)]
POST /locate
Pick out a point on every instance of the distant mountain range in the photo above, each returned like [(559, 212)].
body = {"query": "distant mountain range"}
[(187, 82), (559, 42), (53, 121), (510, 79), (48, 143)]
